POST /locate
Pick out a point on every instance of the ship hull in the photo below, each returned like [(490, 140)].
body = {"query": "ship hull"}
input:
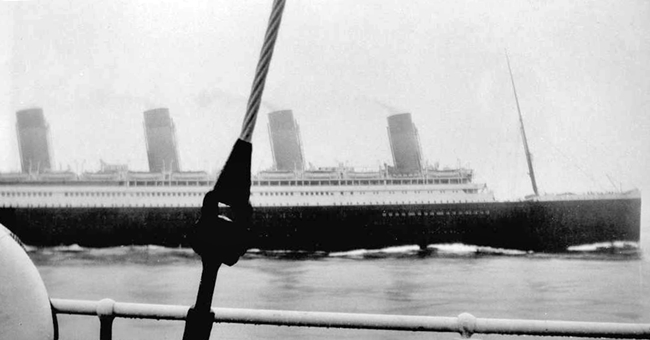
[(548, 226)]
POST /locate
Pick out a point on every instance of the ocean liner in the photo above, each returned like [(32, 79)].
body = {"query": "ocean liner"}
[(324, 209)]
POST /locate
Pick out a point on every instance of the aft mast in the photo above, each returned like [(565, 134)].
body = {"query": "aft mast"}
[(523, 132)]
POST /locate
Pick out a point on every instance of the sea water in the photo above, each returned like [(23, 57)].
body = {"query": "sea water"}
[(584, 285)]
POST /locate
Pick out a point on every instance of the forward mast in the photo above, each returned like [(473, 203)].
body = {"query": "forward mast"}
[(529, 159)]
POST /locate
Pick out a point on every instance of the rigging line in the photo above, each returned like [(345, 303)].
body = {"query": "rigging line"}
[(572, 162), (597, 149), (611, 180)]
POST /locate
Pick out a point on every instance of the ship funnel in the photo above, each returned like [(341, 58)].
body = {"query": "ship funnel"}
[(33, 140), (160, 134), (285, 141), (404, 144)]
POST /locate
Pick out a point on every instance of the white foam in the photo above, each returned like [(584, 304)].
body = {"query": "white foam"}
[(157, 247), (604, 245), (350, 253), (459, 248), (400, 249), (74, 248), (408, 249), (503, 251), (29, 249), (280, 252), (285, 253), (449, 248)]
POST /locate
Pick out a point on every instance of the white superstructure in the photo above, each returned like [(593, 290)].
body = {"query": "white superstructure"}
[(323, 187)]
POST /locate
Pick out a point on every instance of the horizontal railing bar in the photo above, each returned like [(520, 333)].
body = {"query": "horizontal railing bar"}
[(121, 309), (465, 324), (337, 320)]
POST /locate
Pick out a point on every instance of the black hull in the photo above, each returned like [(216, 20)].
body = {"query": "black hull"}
[(551, 226)]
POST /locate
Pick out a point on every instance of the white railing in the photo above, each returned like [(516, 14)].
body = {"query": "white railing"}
[(465, 324)]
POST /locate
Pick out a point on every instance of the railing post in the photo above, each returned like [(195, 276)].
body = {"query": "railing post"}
[(200, 317), (106, 314), (466, 325)]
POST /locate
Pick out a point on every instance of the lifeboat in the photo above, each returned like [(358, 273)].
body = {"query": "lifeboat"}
[(26, 313)]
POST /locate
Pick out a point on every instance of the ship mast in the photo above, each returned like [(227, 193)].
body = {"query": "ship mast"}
[(523, 132)]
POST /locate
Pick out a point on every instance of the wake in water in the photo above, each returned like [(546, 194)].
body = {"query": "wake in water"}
[(604, 251), (606, 246), (147, 253), (432, 250), (384, 252)]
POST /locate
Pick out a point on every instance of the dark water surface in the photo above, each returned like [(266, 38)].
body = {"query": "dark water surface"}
[(454, 279)]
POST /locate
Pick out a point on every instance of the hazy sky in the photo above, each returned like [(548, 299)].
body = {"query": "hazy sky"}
[(582, 70)]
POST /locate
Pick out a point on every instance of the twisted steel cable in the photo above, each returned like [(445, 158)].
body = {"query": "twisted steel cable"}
[(262, 70)]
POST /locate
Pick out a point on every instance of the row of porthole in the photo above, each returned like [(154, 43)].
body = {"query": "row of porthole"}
[(279, 204), (99, 194), (400, 203), (25, 194), (282, 193), (174, 194), (134, 194), (67, 205), (172, 183), (357, 182), (322, 193), (385, 214), (436, 213)]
